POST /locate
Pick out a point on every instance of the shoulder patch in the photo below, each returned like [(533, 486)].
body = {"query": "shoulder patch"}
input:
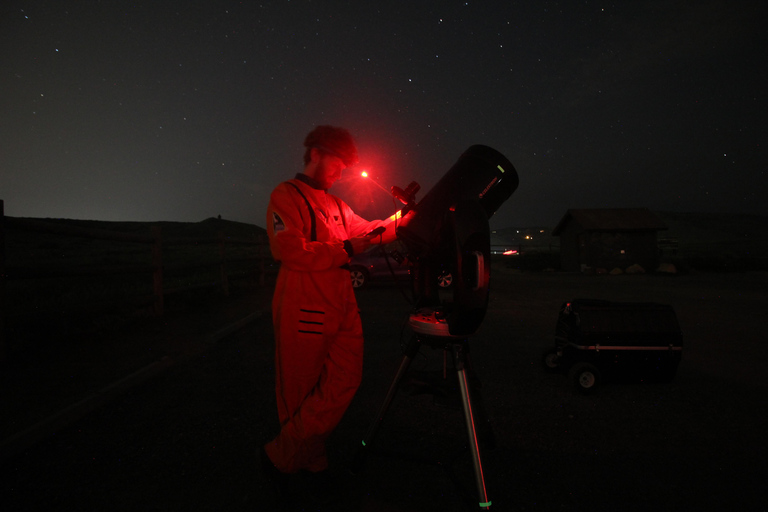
[(277, 223)]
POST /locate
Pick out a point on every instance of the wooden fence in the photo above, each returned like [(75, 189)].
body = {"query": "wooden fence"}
[(155, 244)]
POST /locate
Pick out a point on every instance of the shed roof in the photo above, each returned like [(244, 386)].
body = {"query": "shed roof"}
[(612, 219)]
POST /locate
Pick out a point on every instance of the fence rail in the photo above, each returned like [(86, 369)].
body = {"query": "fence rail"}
[(156, 245)]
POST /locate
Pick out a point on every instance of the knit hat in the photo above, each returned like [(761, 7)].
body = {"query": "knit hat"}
[(334, 141)]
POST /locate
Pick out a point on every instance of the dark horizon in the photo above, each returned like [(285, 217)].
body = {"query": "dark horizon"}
[(687, 215)]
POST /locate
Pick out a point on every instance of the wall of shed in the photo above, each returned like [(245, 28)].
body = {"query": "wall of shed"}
[(570, 247), (607, 249)]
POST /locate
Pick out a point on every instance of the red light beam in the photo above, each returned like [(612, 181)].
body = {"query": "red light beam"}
[(364, 174)]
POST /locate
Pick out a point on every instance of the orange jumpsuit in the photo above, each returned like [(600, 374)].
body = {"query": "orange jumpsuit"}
[(318, 333)]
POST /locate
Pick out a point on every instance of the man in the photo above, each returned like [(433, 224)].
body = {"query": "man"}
[(318, 333)]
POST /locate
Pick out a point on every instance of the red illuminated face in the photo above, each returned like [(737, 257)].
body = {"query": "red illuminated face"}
[(329, 170)]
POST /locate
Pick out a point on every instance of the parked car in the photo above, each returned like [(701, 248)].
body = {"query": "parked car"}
[(379, 262), (386, 262)]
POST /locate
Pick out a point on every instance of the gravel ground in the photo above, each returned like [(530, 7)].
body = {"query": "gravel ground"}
[(185, 439)]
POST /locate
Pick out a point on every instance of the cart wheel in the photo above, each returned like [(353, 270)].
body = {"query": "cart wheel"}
[(551, 360), (585, 377)]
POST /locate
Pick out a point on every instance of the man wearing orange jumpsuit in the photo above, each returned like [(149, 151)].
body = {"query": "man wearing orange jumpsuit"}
[(318, 332)]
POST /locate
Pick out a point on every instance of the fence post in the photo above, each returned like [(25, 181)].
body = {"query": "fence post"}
[(222, 266), (157, 265), (2, 282)]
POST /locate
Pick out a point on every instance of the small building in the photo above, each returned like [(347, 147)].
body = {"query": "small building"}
[(608, 238)]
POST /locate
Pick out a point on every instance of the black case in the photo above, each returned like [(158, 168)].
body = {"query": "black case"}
[(621, 339)]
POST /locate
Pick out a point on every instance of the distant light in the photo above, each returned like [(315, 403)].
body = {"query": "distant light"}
[(364, 174), (510, 252)]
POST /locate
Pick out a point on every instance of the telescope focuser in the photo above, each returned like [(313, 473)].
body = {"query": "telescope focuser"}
[(407, 196)]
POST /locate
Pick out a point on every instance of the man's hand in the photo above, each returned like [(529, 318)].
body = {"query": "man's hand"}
[(360, 243)]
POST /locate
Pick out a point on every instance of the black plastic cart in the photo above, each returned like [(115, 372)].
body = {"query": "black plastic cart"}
[(598, 339)]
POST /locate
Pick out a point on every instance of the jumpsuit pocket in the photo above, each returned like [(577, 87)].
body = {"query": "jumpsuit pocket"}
[(311, 322)]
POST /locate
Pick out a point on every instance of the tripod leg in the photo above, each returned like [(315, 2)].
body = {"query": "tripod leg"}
[(459, 356), (362, 452), (482, 425)]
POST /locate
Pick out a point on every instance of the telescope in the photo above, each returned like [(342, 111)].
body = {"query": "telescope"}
[(448, 231)]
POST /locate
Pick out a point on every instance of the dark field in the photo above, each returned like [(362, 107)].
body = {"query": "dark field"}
[(186, 438)]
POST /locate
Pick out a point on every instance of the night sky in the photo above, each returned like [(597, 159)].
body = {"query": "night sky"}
[(180, 111)]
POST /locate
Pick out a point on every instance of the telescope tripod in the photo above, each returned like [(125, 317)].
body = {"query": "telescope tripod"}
[(459, 349)]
